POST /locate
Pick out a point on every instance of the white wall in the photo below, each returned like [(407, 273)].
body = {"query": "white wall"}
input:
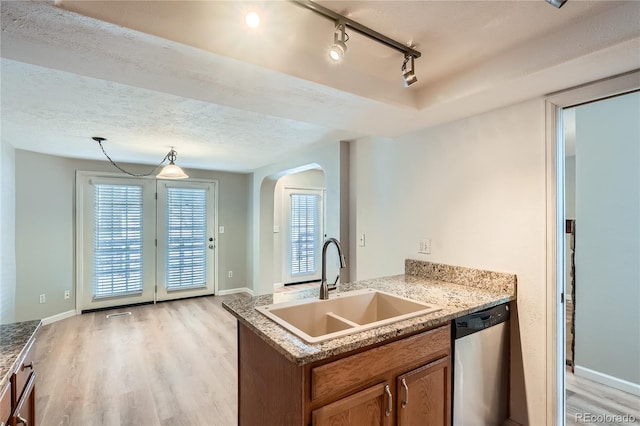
[(308, 179), (331, 158), (476, 187), (608, 238), (7, 233), (45, 221)]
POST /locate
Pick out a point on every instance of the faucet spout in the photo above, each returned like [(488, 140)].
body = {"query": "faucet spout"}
[(324, 288)]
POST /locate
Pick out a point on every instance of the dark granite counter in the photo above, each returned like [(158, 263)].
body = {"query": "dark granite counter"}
[(14, 340)]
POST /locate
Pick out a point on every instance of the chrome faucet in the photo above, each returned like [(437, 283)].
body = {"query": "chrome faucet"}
[(324, 288)]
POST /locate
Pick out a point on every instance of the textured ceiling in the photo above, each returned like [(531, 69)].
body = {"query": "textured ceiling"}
[(148, 75)]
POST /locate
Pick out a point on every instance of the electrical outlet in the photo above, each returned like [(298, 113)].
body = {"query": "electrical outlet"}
[(67, 294), (230, 274), (425, 246), (43, 298)]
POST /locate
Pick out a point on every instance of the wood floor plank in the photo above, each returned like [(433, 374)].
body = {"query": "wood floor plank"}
[(173, 363)]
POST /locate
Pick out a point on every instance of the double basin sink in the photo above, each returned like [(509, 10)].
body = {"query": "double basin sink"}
[(315, 321)]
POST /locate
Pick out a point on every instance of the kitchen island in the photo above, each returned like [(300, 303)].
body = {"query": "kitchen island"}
[(285, 380)]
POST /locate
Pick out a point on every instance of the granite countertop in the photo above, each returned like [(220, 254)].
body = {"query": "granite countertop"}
[(465, 291), (14, 339)]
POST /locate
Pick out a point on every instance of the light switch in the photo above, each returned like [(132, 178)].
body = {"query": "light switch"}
[(276, 229), (361, 240), (221, 230)]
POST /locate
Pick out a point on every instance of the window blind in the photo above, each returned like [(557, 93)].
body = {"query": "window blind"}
[(117, 263), (304, 233), (186, 238)]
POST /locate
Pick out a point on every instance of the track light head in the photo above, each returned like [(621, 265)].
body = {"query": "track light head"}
[(557, 3), (339, 46), (408, 71)]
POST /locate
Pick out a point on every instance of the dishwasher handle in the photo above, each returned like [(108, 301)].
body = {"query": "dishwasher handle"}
[(481, 320)]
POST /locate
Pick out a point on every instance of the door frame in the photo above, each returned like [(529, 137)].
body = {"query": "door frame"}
[(285, 219), (555, 247)]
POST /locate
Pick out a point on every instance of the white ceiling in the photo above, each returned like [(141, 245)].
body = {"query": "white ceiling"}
[(148, 75)]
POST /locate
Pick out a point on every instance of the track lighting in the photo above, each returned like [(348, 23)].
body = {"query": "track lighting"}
[(408, 71), (339, 46), (557, 3), (170, 171)]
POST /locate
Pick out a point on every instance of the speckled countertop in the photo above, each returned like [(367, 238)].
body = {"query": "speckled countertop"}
[(458, 291), (14, 340)]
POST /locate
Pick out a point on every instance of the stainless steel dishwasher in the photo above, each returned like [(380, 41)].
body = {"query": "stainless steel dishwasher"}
[(481, 368)]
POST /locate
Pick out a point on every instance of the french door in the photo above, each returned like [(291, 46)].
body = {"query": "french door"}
[(186, 239), (142, 240)]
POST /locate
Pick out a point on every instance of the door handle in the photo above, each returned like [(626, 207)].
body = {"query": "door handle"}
[(405, 400), (390, 406)]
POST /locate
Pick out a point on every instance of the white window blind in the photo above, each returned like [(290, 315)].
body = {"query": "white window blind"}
[(304, 233), (186, 238), (117, 266)]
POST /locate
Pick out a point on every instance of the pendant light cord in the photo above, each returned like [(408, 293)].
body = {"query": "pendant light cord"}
[(99, 140)]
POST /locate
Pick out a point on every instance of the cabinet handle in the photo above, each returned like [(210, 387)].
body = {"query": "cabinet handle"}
[(30, 365), (20, 421), (406, 394), (390, 406)]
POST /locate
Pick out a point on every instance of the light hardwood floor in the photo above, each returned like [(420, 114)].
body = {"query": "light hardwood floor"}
[(584, 396), (173, 363)]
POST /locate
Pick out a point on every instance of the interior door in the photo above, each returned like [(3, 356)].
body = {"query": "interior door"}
[(186, 239)]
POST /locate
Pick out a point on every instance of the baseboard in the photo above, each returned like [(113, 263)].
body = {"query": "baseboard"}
[(278, 285), (235, 290), (510, 422), (59, 317), (605, 379)]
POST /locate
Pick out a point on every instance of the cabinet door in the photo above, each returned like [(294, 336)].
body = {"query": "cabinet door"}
[(370, 407), (25, 411), (424, 395)]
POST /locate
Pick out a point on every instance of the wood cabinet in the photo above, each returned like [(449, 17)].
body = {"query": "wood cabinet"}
[(423, 395), (403, 382), (5, 405), (18, 401), (367, 407)]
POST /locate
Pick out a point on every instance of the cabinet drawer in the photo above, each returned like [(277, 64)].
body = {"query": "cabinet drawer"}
[(22, 373), (347, 374), (5, 404)]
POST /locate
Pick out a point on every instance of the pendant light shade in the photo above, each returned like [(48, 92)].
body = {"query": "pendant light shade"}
[(171, 171)]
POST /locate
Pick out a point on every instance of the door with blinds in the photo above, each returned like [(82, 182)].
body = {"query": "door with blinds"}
[(186, 239), (303, 211), (142, 240), (115, 231)]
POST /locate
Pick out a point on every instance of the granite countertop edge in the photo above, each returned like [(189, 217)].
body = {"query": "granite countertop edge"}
[(455, 300), (15, 339)]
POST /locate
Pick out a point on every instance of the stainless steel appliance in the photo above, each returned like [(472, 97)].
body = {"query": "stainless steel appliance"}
[(481, 368)]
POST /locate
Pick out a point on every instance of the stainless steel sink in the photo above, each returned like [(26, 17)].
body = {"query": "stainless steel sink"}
[(350, 312)]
